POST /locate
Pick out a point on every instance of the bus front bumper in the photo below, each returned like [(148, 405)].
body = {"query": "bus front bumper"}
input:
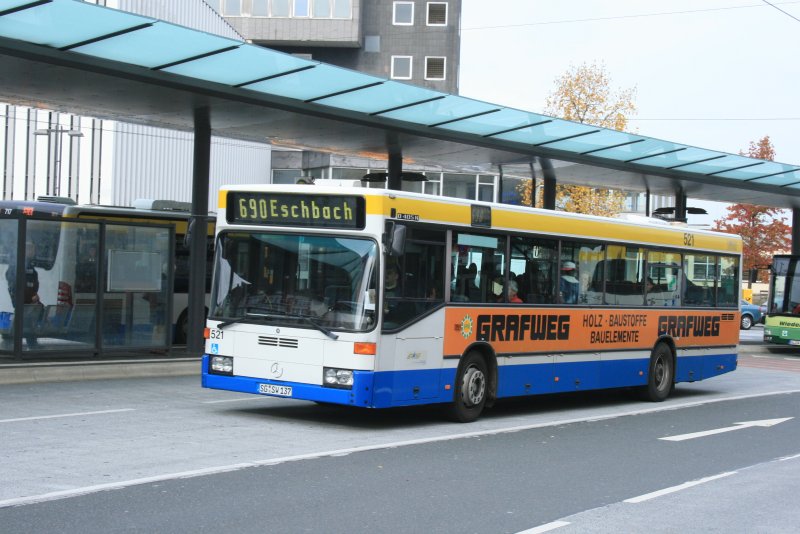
[(359, 395)]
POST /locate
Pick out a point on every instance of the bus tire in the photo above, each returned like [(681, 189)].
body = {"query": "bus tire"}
[(660, 375), (471, 389)]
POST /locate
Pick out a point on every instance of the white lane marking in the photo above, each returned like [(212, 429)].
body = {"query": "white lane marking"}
[(323, 454), (78, 414), (117, 485), (764, 423), (673, 489), (785, 458), (545, 528)]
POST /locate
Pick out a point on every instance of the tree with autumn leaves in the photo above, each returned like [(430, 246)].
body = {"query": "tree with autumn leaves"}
[(763, 229), (583, 94)]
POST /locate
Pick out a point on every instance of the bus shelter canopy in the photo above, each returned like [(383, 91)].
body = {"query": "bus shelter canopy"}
[(75, 57)]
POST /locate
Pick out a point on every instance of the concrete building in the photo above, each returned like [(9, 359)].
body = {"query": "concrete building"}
[(414, 41)]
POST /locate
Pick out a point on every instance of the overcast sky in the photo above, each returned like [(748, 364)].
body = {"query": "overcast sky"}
[(714, 74)]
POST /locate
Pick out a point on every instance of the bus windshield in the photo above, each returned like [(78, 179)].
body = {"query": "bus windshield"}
[(300, 280), (784, 295)]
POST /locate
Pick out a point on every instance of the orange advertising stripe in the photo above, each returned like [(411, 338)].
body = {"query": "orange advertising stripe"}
[(532, 330)]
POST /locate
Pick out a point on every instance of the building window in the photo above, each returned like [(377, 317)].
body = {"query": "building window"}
[(260, 8), (401, 67), (372, 43), (233, 8), (301, 8), (286, 176), (279, 8), (434, 68), (403, 14), (342, 9), (437, 14), (486, 187), (322, 9), (327, 9), (459, 185), (434, 183)]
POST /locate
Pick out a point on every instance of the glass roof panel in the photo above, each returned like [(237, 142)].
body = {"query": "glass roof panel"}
[(787, 178), (794, 185), (649, 147), (247, 63), (388, 95), (596, 141), (309, 84), (11, 4), (680, 159), (765, 169), (721, 165), (558, 129), (492, 123), (447, 109), (160, 44), (60, 24)]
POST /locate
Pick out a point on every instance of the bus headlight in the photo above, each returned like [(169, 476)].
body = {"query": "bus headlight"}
[(222, 365), (337, 378)]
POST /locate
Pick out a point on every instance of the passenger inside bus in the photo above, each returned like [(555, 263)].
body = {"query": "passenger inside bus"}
[(467, 289), (396, 309), (510, 292), (569, 285)]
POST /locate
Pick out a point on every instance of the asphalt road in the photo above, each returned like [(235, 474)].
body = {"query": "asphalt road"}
[(164, 455)]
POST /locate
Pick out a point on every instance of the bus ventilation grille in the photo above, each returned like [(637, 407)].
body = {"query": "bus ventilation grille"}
[(277, 342)]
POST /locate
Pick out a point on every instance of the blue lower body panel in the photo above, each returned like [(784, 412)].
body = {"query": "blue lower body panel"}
[(409, 388), (370, 389)]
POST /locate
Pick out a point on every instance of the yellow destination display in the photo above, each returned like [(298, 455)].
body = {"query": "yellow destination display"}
[(283, 209)]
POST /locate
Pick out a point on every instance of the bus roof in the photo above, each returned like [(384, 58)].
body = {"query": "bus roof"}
[(160, 209), (454, 212)]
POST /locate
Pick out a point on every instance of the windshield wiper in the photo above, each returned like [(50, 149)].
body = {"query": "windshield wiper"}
[(310, 320), (262, 316), (246, 317)]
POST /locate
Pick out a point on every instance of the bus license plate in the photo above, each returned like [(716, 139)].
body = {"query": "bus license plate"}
[(271, 389)]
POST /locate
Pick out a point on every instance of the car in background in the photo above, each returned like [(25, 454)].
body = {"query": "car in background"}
[(751, 314)]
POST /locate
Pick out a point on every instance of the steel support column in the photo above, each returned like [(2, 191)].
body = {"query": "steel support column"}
[(395, 168), (533, 185), (680, 205), (549, 183), (795, 230), (198, 232)]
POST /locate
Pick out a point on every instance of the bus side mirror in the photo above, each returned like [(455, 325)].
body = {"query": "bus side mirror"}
[(753, 275), (395, 238)]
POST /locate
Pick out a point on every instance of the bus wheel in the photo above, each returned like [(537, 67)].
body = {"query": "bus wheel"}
[(471, 389), (661, 375)]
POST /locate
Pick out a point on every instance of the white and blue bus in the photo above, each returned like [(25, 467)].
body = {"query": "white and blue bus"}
[(374, 298)]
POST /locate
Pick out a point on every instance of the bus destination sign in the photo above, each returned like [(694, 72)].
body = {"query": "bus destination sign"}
[(288, 209)]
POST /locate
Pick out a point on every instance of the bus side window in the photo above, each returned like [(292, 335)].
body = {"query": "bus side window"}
[(536, 280)]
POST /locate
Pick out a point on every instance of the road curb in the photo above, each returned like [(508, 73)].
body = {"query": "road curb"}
[(28, 373)]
